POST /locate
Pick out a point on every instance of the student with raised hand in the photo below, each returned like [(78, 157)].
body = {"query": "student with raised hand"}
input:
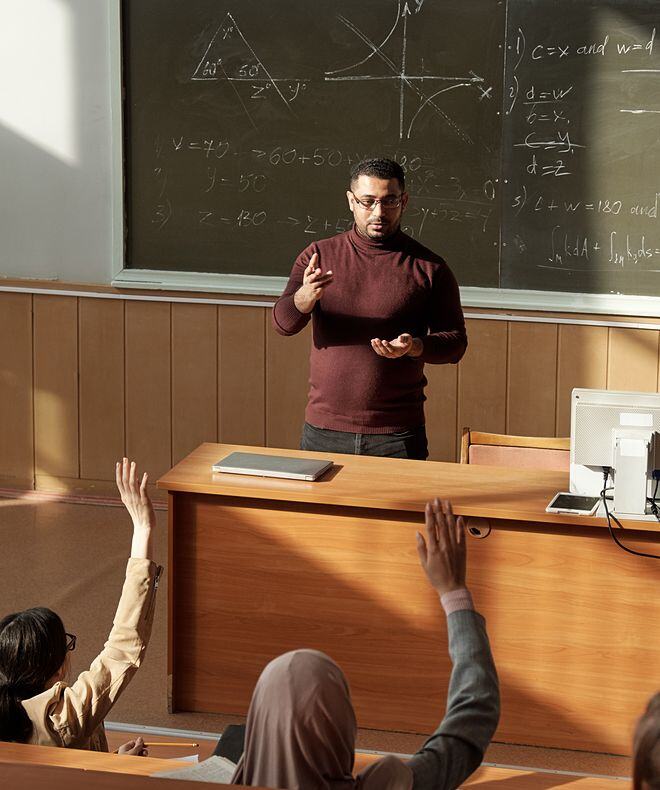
[(301, 726), (36, 704)]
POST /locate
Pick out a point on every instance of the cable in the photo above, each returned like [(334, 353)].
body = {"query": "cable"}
[(652, 499), (606, 474)]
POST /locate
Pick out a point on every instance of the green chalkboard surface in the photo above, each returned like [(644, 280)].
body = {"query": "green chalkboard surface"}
[(529, 131), (581, 147), (243, 119)]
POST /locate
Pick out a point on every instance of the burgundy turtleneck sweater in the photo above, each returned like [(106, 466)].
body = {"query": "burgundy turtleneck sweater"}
[(379, 289)]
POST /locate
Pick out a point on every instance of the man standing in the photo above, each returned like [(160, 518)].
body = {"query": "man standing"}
[(382, 305)]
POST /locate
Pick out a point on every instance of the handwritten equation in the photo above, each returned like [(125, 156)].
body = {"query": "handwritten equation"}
[(579, 193), (568, 250)]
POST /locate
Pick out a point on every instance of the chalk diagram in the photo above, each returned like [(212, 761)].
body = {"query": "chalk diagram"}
[(414, 97), (230, 57)]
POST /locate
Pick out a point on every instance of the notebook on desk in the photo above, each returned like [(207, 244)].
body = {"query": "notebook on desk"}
[(272, 466)]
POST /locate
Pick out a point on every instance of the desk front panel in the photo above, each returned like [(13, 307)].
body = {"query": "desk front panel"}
[(572, 618)]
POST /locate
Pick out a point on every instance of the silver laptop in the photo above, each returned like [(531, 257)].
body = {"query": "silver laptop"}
[(272, 466)]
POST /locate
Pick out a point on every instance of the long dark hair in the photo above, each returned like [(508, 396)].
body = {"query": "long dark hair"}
[(32, 649), (646, 756)]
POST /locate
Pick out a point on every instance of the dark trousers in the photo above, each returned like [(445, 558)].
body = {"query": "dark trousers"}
[(402, 444)]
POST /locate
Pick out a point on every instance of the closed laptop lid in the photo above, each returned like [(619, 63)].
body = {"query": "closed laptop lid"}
[(272, 465)]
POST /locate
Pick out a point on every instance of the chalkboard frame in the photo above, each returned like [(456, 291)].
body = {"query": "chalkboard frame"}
[(185, 281)]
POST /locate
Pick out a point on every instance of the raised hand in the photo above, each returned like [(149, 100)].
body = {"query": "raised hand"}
[(399, 347), (136, 499), (443, 554), (314, 283)]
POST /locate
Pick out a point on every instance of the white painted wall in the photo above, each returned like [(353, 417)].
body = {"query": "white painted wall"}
[(60, 173)]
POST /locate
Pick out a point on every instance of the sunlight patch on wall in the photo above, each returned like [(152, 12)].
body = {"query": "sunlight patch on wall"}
[(37, 77)]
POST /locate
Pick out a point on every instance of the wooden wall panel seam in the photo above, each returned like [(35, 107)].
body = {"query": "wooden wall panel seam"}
[(123, 396), (557, 367), (556, 398), (266, 389), (218, 373), (78, 384), (265, 328), (607, 358), (34, 427), (124, 355), (459, 427), (171, 386), (507, 375)]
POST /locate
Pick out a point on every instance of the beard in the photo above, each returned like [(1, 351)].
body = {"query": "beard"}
[(381, 229)]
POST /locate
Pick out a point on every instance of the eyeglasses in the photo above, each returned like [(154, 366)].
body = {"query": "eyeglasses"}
[(369, 203), (70, 641)]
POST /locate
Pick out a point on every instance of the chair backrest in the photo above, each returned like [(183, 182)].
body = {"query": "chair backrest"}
[(518, 452)]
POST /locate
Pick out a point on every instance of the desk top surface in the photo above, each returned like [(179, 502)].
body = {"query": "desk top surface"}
[(51, 768), (389, 484), (36, 767)]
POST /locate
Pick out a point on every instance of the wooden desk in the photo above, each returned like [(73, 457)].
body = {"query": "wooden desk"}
[(259, 566), (494, 778), (31, 767), (28, 754), (35, 767), (45, 777)]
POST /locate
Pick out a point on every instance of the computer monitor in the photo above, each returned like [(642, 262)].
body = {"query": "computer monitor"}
[(619, 430)]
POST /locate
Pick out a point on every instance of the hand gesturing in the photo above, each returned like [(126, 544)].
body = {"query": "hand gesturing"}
[(399, 347), (314, 283)]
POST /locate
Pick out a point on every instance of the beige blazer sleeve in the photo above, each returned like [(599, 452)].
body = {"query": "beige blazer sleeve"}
[(69, 715)]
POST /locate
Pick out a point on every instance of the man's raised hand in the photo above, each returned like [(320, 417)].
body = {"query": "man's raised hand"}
[(314, 283)]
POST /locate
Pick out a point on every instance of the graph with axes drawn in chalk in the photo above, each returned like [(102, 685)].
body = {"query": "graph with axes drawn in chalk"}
[(417, 92)]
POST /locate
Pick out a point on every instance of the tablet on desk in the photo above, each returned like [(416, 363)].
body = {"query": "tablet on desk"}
[(272, 466), (576, 504)]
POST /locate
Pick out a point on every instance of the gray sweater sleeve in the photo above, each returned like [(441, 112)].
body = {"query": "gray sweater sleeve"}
[(456, 748)]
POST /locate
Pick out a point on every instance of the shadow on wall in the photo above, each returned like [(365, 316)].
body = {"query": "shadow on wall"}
[(56, 141)]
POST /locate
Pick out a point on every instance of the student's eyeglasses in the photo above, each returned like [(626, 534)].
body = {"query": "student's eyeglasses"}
[(70, 641), (389, 202)]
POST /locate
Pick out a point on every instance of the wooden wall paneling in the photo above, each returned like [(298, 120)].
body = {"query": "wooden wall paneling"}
[(56, 386), (287, 385), (441, 411), (633, 360), (16, 428), (194, 377), (242, 374), (532, 379), (582, 362), (148, 383), (482, 377), (101, 333)]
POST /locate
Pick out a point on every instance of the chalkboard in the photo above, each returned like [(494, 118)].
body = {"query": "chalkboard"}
[(581, 151), (243, 121), (528, 130)]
